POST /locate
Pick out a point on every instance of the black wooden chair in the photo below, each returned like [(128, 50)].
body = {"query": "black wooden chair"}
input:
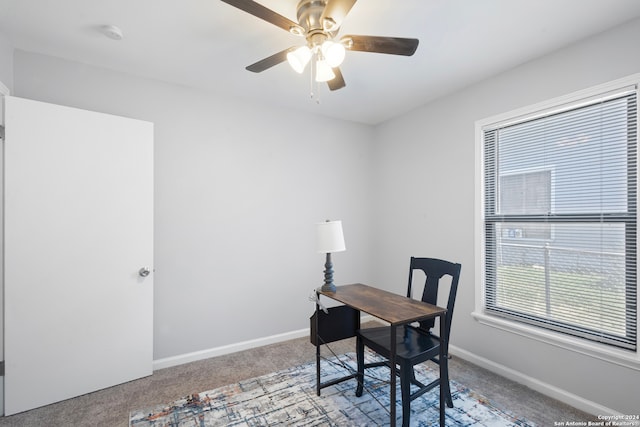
[(415, 343)]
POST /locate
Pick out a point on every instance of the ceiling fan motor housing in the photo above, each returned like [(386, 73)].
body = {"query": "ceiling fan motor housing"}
[(309, 14)]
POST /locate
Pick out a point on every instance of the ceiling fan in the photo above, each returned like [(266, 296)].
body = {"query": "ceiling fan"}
[(319, 22)]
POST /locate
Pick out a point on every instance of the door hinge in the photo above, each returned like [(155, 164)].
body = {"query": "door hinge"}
[(1, 132), (2, 368)]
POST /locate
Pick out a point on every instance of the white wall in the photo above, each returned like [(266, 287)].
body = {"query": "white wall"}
[(238, 188), (425, 182), (6, 61)]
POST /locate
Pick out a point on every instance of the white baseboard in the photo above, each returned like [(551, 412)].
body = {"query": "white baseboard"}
[(227, 349), (533, 383), (232, 348)]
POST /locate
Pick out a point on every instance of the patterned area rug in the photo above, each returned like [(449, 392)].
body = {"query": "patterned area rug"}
[(288, 398)]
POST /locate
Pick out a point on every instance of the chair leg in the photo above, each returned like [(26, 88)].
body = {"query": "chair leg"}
[(406, 373), (360, 361), (447, 386)]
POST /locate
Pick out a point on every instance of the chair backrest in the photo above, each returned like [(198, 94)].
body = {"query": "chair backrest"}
[(434, 269)]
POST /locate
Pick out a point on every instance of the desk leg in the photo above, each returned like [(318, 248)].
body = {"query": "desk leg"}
[(392, 360), (442, 366), (317, 348)]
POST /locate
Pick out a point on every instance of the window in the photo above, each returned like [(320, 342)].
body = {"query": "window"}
[(521, 193), (526, 192), (559, 218)]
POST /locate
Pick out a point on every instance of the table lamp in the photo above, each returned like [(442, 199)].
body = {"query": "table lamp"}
[(329, 239)]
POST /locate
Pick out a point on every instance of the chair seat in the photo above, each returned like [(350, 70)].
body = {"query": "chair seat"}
[(412, 345)]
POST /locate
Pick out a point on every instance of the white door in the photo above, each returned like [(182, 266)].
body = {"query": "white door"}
[(78, 227)]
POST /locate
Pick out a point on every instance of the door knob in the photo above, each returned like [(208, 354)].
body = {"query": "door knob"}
[(144, 272)]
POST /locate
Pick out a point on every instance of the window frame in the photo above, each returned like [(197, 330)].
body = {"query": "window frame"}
[(623, 357)]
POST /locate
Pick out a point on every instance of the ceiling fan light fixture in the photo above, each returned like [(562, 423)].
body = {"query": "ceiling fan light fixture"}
[(333, 52), (324, 73), (299, 58)]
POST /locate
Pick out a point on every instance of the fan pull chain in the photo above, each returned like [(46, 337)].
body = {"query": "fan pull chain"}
[(317, 93), (315, 86), (311, 78)]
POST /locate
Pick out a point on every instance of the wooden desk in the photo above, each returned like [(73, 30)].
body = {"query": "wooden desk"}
[(392, 308)]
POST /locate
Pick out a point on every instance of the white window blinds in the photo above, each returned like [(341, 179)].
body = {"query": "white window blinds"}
[(560, 219)]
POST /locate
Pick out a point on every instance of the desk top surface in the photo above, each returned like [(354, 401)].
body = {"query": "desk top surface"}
[(387, 306)]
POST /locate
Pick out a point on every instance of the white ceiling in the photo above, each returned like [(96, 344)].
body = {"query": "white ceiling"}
[(206, 44)]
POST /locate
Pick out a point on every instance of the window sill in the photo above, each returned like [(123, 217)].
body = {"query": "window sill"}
[(626, 358)]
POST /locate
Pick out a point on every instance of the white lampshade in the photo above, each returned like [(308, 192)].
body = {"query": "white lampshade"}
[(324, 73), (333, 53), (299, 58), (329, 237)]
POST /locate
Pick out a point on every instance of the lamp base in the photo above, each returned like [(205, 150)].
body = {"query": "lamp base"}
[(328, 276), (328, 288)]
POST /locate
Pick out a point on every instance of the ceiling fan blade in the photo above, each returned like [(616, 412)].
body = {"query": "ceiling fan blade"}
[(390, 45), (262, 12), (270, 61), (338, 81), (334, 13)]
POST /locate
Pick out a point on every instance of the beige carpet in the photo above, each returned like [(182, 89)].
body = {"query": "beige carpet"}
[(111, 407)]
